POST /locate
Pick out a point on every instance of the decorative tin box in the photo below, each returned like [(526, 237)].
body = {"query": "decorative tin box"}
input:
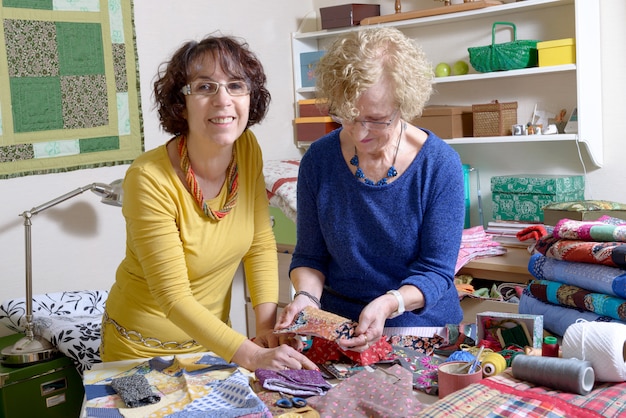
[(557, 52), (447, 122), (308, 61), (347, 14), (522, 197)]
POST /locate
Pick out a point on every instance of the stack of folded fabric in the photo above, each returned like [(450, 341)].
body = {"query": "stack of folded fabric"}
[(580, 271)]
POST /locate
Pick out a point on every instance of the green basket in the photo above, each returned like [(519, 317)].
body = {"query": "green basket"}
[(504, 56)]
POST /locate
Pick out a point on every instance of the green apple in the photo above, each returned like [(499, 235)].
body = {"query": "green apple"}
[(460, 68), (442, 70)]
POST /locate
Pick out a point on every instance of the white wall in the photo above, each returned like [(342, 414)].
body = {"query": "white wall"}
[(78, 244)]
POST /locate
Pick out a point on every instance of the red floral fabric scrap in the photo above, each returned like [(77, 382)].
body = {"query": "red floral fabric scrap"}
[(323, 351)]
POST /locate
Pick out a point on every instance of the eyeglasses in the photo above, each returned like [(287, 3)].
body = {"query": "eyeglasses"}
[(210, 88), (368, 124)]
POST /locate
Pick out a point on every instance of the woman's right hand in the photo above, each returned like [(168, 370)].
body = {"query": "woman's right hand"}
[(283, 357)]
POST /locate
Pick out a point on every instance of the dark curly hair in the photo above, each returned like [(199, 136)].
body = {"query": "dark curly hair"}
[(236, 60)]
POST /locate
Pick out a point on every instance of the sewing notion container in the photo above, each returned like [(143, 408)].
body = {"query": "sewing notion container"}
[(52, 388), (447, 122), (522, 197), (509, 327), (557, 52)]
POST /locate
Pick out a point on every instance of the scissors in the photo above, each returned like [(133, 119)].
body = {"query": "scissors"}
[(290, 402)]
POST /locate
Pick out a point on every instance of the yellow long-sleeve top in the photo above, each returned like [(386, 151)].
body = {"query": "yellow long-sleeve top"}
[(174, 284)]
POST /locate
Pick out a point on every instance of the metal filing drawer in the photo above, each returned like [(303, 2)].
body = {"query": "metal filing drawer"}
[(51, 388)]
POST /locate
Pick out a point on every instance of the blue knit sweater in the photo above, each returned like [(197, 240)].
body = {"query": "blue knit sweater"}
[(367, 239)]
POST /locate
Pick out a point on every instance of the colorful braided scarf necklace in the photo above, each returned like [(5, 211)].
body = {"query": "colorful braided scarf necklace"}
[(232, 179)]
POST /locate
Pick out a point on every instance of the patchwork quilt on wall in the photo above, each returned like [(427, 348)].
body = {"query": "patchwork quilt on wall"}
[(69, 90)]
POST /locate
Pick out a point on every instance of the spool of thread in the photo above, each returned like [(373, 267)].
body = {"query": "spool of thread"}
[(601, 343), (493, 363), (568, 375), (550, 347)]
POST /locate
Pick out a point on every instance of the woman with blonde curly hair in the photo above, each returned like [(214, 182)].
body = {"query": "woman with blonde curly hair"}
[(380, 201)]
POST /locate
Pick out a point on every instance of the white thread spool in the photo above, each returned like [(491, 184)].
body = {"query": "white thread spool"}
[(569, 375), (603, 344)]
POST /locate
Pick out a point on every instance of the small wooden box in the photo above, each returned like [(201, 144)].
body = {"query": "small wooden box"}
[(347, 14), (310, 129), (494, 119), (308, 108), (447, 122)]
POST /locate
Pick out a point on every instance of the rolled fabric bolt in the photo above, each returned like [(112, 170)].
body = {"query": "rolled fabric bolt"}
[(568, 375)]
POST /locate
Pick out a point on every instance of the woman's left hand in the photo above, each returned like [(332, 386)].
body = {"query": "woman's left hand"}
[(268, 339), (370, 327)]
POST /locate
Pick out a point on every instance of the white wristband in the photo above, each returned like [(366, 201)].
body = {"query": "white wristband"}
[(400, 309)]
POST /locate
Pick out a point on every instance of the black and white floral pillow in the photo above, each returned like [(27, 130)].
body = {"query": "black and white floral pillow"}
[(71, 321)]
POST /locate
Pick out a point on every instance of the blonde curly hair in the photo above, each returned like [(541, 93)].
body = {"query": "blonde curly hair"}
[(356, 61)]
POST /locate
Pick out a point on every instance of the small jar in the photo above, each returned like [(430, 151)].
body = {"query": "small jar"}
[(550, 347)]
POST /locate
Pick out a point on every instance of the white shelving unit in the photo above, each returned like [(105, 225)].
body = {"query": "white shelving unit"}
[(445, 38)]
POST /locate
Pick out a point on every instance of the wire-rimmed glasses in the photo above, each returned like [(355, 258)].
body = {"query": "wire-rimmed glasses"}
[(210, 88), (368, 124)]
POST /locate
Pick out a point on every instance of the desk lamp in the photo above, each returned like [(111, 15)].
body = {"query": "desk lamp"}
[(34, 348)]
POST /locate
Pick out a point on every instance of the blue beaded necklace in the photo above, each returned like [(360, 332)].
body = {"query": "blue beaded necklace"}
[(392, 172)]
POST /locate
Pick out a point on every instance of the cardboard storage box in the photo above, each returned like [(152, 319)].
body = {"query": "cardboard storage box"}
[(584, 210), (557, 52), (347, 14), (308, 108), (510, 326), (310, 129), (472, 306), (522, 197), (308, 62), (494, 119), (447, 122)]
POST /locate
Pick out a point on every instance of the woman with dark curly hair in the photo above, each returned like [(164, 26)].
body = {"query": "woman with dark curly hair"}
[(195, 208)]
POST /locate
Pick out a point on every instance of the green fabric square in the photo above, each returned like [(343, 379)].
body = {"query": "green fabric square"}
[(29, 4), (106, 143), (80, 48), (36, 104)]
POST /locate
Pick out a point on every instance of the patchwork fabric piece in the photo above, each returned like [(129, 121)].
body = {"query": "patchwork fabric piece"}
[(323, 351), (294, 382), (70, 99), (503, 395), (576, 297), (211, 388), (424, 368), (71, 321), (319, 323), (134, 390), (594, 277), (379, 393)]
